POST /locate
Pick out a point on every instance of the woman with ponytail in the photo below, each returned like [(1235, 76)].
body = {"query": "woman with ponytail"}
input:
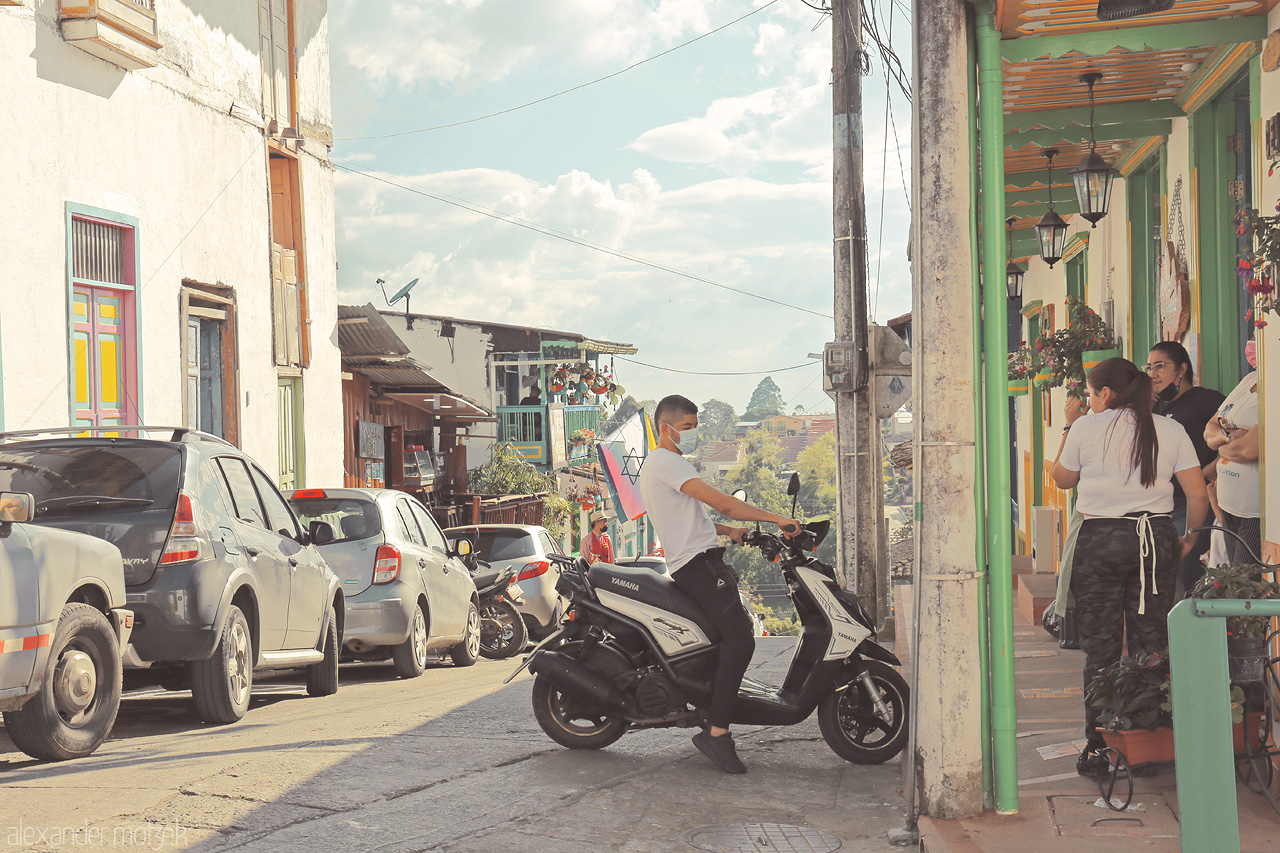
[(1122, 460)]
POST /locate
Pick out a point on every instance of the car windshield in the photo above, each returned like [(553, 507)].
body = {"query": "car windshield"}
[(494, 545), (351, 518), (75, 480)]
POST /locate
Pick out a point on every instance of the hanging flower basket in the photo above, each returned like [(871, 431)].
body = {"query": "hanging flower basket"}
[(1019, 387), (1091, 357), (1141, 746), (1046, 378)]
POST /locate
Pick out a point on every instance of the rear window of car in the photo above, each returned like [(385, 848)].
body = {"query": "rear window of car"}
[(84, 480), (351, 518), (498, 544)]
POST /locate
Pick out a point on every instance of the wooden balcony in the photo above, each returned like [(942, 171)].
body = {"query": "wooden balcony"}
[(529, 429), (122, 32)]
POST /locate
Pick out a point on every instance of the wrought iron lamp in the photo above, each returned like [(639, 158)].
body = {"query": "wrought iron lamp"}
[(1051, 230), (1093, 178), (1012, 272)]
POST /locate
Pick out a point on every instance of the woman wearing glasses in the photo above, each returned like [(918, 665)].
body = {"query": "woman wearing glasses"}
[(1193, 406), (1121, 461)]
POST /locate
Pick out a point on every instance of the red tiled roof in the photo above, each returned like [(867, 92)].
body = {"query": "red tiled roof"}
[(719, 451)]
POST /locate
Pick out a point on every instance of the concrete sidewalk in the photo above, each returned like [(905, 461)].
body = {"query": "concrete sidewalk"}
[(1059, 810)]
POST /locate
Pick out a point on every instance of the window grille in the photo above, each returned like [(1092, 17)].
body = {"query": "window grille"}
[(98, 252)]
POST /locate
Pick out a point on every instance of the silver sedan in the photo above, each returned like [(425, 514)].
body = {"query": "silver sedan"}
[(525, 548), (407, 593)]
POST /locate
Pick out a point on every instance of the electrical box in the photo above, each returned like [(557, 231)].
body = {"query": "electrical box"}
[(838, 366), (1046, 522)]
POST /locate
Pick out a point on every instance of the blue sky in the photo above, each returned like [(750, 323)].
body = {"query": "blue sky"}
[(714, 160)]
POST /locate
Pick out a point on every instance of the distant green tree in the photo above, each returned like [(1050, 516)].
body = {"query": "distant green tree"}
[(716, 420), (819, 496), (625, 410), (757, 472), (766, 401), (507, 474)]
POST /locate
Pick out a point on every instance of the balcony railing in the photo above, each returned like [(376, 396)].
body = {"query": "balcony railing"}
[(527, 428)]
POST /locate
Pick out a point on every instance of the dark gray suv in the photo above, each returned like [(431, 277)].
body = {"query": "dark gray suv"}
[(221, 578)]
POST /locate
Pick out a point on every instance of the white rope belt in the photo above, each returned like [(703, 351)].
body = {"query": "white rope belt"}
[(1146, 545)]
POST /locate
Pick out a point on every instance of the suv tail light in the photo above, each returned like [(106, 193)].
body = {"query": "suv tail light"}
[(185, 543), (533, 570), (386, 564)]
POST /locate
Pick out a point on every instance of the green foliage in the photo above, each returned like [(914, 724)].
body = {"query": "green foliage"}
[(507, 474), (716, 420), (757, 473), (1133, 693), (1238, 580), (766, 401), (1061, 351)]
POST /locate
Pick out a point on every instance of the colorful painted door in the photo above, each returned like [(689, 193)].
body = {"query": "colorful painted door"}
[(105, 392)]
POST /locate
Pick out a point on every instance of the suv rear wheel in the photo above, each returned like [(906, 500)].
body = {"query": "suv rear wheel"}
[(322, 677), (80, 691), (222, 684)]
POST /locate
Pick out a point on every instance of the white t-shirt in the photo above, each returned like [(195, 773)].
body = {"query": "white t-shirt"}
[(682, 521), (1100, 447), (1239, 486)]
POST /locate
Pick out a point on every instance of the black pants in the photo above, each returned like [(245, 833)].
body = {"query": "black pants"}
[(1105, 583), (1191, 568), (711, 582)]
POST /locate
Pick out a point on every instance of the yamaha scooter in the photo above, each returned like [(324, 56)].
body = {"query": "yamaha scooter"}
[(634, 652)]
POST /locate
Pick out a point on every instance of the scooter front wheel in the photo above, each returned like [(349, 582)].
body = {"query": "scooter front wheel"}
[(853, 728)]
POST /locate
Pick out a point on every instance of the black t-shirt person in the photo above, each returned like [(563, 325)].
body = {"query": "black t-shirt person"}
[(1194, 409)]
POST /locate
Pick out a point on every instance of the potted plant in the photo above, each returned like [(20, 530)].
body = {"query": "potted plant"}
[(1021, 368), (1246, 635), (1259, 257), (1136, 712), (1070, 352)]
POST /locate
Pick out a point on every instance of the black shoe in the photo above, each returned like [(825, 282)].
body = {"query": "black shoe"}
[(720, 750), (1090, 763)]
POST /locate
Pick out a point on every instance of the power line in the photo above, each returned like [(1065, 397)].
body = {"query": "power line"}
[(564, 92), (717, 373), (383, 177)]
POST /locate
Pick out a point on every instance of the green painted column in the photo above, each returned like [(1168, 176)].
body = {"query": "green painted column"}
[(1004, 713)]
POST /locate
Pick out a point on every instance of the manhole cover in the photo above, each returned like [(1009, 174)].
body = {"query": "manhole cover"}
[(761, 838)]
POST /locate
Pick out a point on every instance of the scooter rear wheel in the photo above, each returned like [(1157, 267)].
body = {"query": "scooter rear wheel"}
[(571, 722), (851, 726)]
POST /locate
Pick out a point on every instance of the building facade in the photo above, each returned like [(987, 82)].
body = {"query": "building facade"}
[(171, 254)]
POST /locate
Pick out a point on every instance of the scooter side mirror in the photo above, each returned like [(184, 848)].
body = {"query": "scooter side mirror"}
[(793, 486), (740, 494)]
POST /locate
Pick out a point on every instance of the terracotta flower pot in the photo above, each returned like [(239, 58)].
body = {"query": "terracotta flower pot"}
[(1254, 721), (1140, 746), (1090, 357)]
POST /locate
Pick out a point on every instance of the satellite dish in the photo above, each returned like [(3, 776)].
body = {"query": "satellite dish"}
[(403, 292)]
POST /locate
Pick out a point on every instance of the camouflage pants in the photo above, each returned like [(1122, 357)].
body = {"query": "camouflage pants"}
[(1106, 586)]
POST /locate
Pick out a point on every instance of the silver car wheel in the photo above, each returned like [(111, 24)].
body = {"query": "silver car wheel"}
[(419, 637), (239, 663), (473, 633)]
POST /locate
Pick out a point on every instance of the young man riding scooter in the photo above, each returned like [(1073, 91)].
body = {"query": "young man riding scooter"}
[(674, 496)]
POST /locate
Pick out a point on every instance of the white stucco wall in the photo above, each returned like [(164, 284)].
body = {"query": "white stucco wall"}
[(180, 148)]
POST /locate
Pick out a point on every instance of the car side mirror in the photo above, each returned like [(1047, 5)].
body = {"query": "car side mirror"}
[(462, 548), (321, 533), (17, 507)]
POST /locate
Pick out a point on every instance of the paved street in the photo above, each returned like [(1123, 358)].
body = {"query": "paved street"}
[(451, 761)]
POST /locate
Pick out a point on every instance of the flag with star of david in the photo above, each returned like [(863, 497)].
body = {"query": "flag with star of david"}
[(621, 453)]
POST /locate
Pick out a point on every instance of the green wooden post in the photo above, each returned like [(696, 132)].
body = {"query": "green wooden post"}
[(1205, 764)]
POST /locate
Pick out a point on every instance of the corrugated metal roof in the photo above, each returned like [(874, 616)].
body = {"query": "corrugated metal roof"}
[(363, 332), (601, 346)]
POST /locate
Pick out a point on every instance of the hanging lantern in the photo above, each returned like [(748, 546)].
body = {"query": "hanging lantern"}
[(1051, 230), (1012, 272), (1094, 177)]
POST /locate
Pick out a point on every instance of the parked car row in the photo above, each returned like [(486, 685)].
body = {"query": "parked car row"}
[(177, 556)]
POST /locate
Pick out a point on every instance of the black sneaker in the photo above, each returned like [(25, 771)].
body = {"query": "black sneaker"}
[(720, 750), (1090, 763)]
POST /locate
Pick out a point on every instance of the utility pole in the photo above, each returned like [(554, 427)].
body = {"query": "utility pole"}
[(861, 557)]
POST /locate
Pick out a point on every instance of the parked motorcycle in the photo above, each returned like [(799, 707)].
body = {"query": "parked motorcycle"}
[(502, 629), (637, 653)]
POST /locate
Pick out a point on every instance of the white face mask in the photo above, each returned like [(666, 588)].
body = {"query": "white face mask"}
[(686, 439)]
